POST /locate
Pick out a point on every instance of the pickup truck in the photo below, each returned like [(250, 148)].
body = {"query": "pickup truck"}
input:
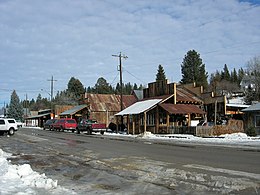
[(91, 125)]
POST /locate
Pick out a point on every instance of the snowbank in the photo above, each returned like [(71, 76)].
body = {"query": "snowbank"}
[(21, 179)]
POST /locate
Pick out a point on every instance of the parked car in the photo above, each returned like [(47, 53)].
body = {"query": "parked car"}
[(91, 125), (19, 124), (64, 124), (8, 125), (48, 124)]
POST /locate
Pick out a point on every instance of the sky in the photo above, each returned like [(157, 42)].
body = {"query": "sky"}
[(77, 38)]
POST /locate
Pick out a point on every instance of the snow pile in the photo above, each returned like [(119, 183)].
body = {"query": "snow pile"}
[(21, 179), (147, 134), (236, 136)]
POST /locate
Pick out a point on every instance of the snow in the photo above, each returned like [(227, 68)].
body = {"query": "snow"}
[(21, 179)]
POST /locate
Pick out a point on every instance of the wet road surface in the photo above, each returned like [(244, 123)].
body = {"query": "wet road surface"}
[(95, 164)]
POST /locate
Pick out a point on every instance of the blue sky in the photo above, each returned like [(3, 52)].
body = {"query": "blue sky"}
[(77, 38)]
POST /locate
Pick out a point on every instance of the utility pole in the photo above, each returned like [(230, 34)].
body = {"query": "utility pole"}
[(52, 110), (52, 82), (120, 56)]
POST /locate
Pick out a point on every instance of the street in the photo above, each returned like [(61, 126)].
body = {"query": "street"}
[(99, 164)]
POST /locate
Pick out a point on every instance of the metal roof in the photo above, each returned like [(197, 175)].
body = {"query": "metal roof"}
[(38, 116), (254, 107), (139, 107), (108, 102), (185, 96), (182, 108), (73, 110)]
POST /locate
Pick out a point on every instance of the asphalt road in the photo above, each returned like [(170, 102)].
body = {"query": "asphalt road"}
[(113, 165)]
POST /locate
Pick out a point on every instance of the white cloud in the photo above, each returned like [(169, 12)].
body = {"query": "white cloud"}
[(77, 38)]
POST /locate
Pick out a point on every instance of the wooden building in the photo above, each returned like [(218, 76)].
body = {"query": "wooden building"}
[(165, 105), (103, 107), (252, 117)]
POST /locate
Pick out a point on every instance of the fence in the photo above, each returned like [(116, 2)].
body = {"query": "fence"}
[(233, 126), (182, 130)]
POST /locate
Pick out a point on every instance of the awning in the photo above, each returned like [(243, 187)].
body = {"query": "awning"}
[(38, 116), (139, 107), (182, 109), (74, 110)]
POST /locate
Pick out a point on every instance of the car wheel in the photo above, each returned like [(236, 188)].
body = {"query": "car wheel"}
[(11, 131)]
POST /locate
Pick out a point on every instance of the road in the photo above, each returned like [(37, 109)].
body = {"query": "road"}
[(99, 164)]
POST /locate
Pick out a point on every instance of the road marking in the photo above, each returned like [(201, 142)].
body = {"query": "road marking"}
[(228, 171)]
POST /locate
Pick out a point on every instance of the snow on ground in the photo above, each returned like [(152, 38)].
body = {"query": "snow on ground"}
[(22, 180), (235, 139)]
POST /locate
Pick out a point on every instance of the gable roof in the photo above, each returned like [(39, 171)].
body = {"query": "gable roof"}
[(182, 108), (184, 95), (139, 107), (108, 102), (74, 110), (254, 107)]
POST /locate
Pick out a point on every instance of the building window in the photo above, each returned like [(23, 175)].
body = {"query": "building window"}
[(257, 120), (151, 119), (162, 118)]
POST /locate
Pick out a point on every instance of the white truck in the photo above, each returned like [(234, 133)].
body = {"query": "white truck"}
[(8, 125)]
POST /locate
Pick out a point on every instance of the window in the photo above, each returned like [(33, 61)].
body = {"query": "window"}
[(2, 122), (162, 118), (151, 119), (257, 120), (11, 121)]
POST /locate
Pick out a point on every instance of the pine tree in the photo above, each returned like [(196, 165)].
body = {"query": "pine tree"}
[(15, 109), (102, 86), (193, 70), (160, 73), (75, 88), (225, 73)]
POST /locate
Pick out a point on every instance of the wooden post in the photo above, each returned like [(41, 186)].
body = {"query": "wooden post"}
[(145, 122), (189, 120), (128, 124), (133, 124), (157, 120), (139, 123), (168, 122)]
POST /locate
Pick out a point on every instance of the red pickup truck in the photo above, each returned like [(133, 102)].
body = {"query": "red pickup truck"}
[(91, 125)]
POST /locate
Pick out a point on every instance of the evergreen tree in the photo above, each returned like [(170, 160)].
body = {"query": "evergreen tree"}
[(225, 73), (102, 87), (160, 73), (241, 74), (75, 88), (15, 109), (233, 76), (193, 70)]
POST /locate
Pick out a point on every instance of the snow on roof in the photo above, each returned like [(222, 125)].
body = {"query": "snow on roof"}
[(73, 110), (238, 105), (139, 107), (254, 107)]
